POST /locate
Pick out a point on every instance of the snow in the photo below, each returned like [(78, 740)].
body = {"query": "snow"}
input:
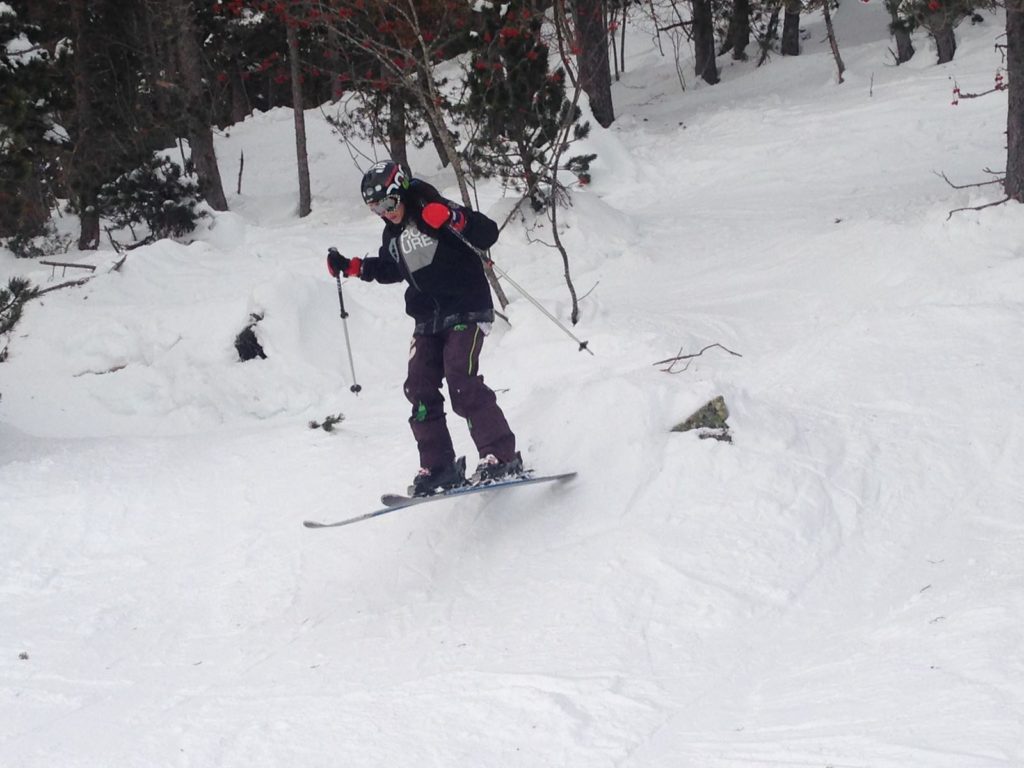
[(840, 586), (20, 49)]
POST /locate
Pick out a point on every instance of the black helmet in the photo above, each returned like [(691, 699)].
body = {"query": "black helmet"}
[(384, 179)]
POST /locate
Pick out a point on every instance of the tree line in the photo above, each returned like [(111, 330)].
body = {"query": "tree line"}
[(93, 93)]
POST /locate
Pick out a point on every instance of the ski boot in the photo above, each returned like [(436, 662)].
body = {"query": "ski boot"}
[(491, 469), (439, 479)]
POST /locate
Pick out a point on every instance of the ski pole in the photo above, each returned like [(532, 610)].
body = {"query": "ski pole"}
[(502, 273), (348, 345)]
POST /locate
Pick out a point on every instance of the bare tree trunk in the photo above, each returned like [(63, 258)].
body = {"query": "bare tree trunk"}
[(945, 41), (83, 172), (555, 162), (904, 45), (34, 210), (900, 31), (240, 106), (438, 140), (737, 38), (200, 134), (791, 28), (574, 315), (594, 70), (301, 156), (1014, 182), (430, 100), (840, 67), (398, 144), (160, 62), (622, 37), (435, 128), (552, 212), (704, 41), (615, 56), (657, 30), (770, 33)]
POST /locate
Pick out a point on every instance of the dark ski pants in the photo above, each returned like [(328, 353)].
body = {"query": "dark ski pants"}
[(454, 355)]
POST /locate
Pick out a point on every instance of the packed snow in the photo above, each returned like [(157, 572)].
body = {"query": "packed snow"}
[(841, 585)]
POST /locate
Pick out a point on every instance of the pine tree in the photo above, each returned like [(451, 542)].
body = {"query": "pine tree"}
[(156, 194), (118, 119), (518, 104), (32, 90), (12, 301)]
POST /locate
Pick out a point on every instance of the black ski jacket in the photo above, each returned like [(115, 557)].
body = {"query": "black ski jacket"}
[(447, 284)]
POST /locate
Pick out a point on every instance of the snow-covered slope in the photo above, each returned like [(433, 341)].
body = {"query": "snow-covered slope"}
[(841, 585)]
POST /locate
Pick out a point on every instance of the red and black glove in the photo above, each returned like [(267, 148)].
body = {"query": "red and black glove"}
[(437, 215), (339, 265)]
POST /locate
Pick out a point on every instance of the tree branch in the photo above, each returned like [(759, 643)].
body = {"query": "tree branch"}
[(966, 186), (689, 358), (978, 207), (999, 180)]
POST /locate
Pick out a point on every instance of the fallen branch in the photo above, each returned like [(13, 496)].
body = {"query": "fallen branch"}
[(689, 358), (57, 287), (110, 236), (979, 207), (65, 266)]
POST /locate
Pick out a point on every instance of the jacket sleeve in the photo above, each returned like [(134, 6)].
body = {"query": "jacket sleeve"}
[(480, 230), (381, 268)]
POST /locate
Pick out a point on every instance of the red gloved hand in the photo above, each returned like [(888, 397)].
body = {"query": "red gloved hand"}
[(437, 215), (339, 265)]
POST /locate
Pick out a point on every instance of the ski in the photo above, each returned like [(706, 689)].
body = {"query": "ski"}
[(400, 500), (394, 502), (397, 499)]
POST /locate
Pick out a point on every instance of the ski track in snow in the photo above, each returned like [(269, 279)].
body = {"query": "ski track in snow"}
[(840, 586)]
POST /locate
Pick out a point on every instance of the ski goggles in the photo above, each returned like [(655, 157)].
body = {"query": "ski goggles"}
[(385, 205)]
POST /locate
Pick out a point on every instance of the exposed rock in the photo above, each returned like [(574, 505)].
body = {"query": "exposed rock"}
[(709, 420)]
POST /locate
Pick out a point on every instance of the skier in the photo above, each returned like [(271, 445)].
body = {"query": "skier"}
[(450, 301)]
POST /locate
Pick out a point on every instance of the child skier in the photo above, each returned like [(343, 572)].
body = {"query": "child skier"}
[(449, 299)]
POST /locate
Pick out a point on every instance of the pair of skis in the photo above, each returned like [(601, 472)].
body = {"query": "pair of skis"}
[(394, 502)]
